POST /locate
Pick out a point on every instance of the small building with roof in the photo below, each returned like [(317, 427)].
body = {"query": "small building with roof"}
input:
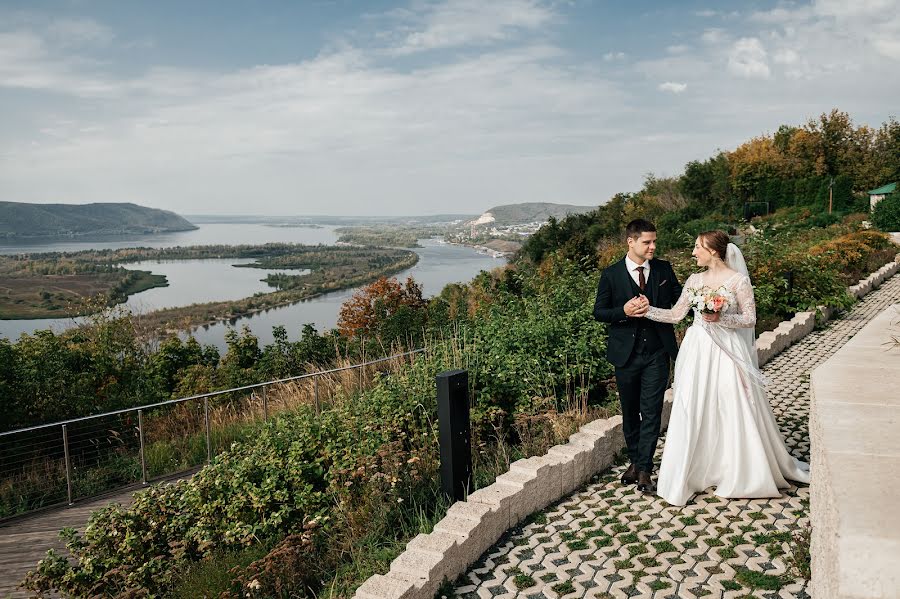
[(876, 195)]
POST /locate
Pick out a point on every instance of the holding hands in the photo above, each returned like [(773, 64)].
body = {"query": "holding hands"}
[(637, 307)]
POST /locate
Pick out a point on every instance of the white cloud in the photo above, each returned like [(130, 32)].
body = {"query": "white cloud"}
[(672, 86), (877, 9), (748, 59), (834, 34), (511, 112), (785, 56), (454, 23), (705, 13), (341, 125), (76, 32), (713, 35), (889, 47)]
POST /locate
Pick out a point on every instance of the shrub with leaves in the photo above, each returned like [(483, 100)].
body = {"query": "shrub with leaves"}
[(886, 214)]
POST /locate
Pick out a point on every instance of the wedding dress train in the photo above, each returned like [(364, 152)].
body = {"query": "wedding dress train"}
[(722, 431)]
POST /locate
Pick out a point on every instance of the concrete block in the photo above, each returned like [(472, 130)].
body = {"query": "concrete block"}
[(448, 549), (616, 435), (477, 526), (499, 496), (386, 587), (594, 443), (765, 339), (587, 439), (806, 322), (527, 498), (556, 477), (572, 466), (468, 510), (422, 588), (424, 570), (610, 441), (536, 466), (470, 543)]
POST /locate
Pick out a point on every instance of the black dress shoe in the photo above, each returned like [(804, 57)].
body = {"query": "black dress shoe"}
[(645, 483), (630, 476)]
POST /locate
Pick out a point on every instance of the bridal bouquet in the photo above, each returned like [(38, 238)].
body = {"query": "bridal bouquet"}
[(711, 301)]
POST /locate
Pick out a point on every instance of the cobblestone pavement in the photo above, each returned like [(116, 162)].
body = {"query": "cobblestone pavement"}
[(609, 541)]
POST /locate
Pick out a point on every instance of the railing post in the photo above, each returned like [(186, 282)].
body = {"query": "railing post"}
[(265, 397), (316, 381), (141, 437), (206, 418), (65, 434), (455, 433)]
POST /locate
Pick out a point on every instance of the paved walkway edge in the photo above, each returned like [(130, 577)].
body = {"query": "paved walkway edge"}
[(471, 527), (855, 455)]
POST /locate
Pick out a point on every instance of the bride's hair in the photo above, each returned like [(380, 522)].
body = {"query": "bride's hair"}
[(716, 241)]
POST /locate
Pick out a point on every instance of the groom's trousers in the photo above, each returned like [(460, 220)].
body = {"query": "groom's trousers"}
[(642, 383)]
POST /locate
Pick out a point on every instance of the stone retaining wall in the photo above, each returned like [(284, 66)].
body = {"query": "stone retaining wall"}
[(855, 451), (473, 526)]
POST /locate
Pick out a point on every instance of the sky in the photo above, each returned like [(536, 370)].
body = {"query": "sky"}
[(315, 107)]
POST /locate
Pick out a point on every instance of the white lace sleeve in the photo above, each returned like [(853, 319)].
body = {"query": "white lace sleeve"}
[(679, 310), (745, 315)]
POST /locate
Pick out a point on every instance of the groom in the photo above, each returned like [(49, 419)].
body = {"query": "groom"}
[(639, 348)]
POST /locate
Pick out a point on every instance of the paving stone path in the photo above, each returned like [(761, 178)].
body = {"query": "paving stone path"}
[(608, 541)]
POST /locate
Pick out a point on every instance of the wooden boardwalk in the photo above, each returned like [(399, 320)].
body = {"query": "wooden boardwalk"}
[(25, 541)]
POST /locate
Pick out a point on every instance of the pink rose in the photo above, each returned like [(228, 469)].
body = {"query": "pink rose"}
[(718, 303)]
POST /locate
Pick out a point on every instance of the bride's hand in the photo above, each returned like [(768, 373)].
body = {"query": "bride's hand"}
[(714, 317)]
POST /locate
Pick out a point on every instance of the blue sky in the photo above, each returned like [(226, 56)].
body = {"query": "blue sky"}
[(417, 107)]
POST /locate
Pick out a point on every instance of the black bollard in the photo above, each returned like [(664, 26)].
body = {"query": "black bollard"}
[(455, 433)]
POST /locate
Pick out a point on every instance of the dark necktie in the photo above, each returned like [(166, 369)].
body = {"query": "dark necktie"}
[(642, 282)]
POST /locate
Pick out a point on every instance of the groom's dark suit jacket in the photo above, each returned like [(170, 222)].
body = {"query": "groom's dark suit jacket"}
[(617, 287)]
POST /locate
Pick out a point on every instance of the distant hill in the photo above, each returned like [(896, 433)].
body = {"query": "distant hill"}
[(515, 214), (19, 220)]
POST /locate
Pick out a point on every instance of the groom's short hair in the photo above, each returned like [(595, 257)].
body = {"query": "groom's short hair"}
[(638, 226)]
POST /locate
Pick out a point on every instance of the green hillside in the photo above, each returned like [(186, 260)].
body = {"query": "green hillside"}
[(529, 212), (19, 220)]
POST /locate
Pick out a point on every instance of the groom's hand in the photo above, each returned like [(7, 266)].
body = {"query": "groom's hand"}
[(637, 307)]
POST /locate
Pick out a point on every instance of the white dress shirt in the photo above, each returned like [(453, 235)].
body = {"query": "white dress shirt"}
[(632, 267)]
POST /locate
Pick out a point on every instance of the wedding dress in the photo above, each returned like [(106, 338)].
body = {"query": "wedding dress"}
[(722, 431)]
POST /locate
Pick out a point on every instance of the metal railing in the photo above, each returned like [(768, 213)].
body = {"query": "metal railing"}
[(54, 464)]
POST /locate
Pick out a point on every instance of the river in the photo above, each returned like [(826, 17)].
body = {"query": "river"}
[(192, 281)]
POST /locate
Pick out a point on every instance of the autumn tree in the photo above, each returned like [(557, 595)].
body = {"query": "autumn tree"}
[(385, 309), (753, 163)]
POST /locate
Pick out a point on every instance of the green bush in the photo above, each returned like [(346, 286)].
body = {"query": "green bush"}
[(886, 215)]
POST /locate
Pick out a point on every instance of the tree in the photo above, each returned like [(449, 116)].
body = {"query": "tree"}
[(886, 214), (385, 306), (752, 164)]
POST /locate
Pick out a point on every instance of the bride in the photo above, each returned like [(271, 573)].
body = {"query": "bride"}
[(722, 430)]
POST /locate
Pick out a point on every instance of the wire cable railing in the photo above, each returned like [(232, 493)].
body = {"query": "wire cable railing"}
[(51, 465)]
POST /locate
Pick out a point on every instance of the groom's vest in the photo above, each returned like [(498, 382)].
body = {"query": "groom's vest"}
[(646, 337)]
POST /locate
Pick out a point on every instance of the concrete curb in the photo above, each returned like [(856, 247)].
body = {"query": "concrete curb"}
[(471, 527)]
